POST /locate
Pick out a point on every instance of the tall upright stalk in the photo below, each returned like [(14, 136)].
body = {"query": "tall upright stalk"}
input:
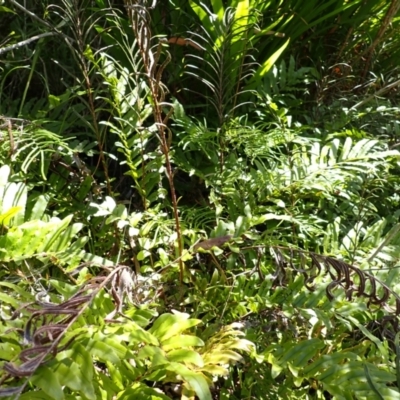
[(139, 18)]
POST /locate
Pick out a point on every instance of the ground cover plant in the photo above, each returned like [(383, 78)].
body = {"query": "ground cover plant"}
[(199, 200)]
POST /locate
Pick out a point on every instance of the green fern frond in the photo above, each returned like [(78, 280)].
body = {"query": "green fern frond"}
[(226, 62)]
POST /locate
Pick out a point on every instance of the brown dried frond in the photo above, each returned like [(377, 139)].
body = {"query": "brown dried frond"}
[(353, 280)]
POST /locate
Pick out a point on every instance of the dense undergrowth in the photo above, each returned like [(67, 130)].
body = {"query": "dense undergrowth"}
[(199, 200)]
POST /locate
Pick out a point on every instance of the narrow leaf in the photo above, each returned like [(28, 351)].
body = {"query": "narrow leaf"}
[(267, 65)]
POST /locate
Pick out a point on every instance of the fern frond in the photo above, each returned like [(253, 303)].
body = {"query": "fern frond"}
[(352, 280), (226, 62)]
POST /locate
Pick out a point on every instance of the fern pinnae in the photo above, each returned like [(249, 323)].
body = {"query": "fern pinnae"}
[(225, 62)]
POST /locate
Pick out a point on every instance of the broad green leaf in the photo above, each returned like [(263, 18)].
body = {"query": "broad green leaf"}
[(63, 241), (326, 361), (6, 9), (267, 30), (169, 325), (302, 352), (36, 395), (221, 356), (95, 260), (218, 9), (141, 316), (67, 371), (266, 217), (9, 299), (106, 386), (154, 354), (371, 383), (114, 372), (39, 207), (32, 237), (356, 369), (15, 288), (186, 356), (346, 149), (8, 350), (216, 370), (140, 391), (59, 228), (106, 348), (329, 375), (362, 148), (368, 334), (397, 346), (132, 333), (84, 189), (241, 18), (47, 380), (179, 341), (196, 380), (83, 358), (138, 335), (65, 289)]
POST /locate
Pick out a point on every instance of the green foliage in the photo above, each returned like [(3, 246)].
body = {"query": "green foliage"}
[(131, 114), (241, 157), (30, 236), (115, 357)]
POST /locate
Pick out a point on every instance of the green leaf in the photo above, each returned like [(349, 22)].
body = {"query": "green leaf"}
[(218, 9), (58, 229), (326, 361), (138, 334), (141, 391), (154, 354), (9, 299), (83, 358), (39, 207), (396, 343), (67, 371), (64, 240), (196, 380), (8, 350), (6, 9), (267, 65), (186, 356), (221, 356), (65, 289), (106, 348), (368, 334), (132, 333), (37, 395), (371, 383), (95, 260), (204, 17), (47, 380), (6, 217), (168, 325), (300, 354), (180, 341)]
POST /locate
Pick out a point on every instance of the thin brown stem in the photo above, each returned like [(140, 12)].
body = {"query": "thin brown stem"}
[(153, 71)]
